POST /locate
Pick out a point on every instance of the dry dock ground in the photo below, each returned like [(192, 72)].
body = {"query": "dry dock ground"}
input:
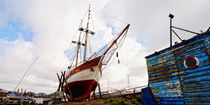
[(126, 100)]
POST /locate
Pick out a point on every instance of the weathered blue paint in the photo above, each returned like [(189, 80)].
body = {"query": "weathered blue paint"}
[(171, 82), (147, 97), (170, 100)]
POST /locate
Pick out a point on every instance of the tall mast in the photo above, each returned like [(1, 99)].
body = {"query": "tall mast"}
[(86, 33), (78, 47), (79, 43)]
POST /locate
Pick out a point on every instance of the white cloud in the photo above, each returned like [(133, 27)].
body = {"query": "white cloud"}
[(15, 58)]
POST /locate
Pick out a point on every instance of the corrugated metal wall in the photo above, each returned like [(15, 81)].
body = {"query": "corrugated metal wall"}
[(195, 83), (173, 84), (163, 79)]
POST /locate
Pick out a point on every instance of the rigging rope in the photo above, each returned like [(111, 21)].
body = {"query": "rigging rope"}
[(29, 68), (74, 35), (103, 13), (90, 47), (81, 47), (118, 48), (92, 21)]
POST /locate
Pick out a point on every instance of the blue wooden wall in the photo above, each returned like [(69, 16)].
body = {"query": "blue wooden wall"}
[(171, 82)]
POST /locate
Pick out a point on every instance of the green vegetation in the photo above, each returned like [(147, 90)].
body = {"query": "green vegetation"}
[(122, 101), (109, 100), (126, 100)]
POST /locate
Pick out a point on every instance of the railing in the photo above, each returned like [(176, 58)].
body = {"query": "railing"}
[(117, 93)]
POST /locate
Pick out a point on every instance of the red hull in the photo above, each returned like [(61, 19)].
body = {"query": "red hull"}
[(81, 89)]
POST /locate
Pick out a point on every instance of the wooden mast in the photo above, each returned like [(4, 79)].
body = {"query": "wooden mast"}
[(79, 43), (120, 34), (86, 33), (78, 47)]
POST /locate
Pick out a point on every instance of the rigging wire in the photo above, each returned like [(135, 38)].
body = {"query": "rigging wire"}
[(119, 47), (80, 47), (120, 20), (90, 51), (91, 15), (103, 13), (80, 54), (114, 18), (92, 21), (93, 25), (29, 68), (74, 35)]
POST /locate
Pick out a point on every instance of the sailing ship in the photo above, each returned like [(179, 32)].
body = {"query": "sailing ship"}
[(83, 77)]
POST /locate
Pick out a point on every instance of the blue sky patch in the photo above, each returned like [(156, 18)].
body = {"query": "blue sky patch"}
[(15, 29)]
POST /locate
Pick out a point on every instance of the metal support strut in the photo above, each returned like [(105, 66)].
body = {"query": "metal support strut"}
[(171, 17), (171, 30)]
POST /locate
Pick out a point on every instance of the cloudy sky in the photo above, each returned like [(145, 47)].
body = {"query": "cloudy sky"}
[(44, 28)]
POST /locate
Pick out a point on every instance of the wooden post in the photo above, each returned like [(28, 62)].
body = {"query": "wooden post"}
[(62, 80), (67, 87), (60, 87), (94, 95), (59, 79), (99, 89)]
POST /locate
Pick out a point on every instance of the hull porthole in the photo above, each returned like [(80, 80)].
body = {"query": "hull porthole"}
[(191, 62)]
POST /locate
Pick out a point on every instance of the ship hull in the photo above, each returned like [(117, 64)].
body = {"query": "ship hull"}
[(81, 89), (84, 81)]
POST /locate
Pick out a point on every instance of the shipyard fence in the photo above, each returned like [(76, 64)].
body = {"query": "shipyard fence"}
[(118, 93)]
